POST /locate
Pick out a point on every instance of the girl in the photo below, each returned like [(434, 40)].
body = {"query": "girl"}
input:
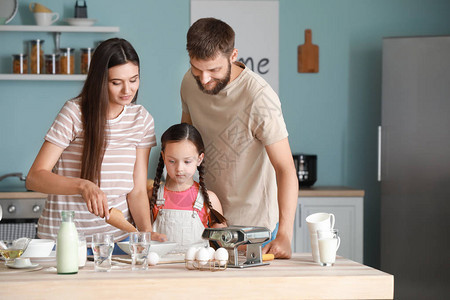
[(95, 154), (181, 207)]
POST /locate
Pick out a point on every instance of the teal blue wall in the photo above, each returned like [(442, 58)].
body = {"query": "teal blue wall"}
[(333, 114)]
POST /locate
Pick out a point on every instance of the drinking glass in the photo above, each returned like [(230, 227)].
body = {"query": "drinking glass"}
[(328, 241), (318, 221), (102, 246), (139, 248)]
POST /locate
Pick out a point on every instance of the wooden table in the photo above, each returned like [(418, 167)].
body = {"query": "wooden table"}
[(296, 278)]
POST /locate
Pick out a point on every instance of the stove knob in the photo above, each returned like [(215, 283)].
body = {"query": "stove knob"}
[(36, 208), (11, 209)]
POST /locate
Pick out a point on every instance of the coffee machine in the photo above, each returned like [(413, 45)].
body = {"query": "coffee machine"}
[(306, 167)]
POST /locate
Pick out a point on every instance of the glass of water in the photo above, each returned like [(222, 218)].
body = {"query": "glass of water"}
[(139, 248), (102, 246)]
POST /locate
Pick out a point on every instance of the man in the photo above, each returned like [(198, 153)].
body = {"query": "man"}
[(248, 160)]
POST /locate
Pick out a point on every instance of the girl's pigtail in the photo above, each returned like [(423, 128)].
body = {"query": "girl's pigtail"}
[(214, 216), (157, 182)]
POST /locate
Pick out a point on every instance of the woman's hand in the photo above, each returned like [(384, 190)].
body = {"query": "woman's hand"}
[(95, 198), (159, 237)]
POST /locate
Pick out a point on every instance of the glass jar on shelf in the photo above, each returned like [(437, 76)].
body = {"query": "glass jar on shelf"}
[(20, 63), (52, 63), (36, 57), (67, 60), (86, 56)]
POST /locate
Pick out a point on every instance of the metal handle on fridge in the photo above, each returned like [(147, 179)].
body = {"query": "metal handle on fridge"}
[(300, 216), (379, 153)]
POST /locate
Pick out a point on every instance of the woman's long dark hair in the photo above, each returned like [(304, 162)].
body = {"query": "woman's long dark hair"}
[(95, 101), (181, 132)]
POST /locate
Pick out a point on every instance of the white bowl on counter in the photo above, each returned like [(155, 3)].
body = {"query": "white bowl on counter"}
[(39, 248), (161, 248)]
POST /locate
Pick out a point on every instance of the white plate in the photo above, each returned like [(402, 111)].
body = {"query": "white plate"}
[(50, 258), (43, 259), (172, 258), (159, 247), (80, 21), (166, 259), (8, 9), (24, 267)]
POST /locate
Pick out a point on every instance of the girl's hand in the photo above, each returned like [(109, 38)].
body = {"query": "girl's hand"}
[(95, 198), (159, 237)]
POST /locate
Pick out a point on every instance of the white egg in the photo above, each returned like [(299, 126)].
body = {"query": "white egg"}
[(202, 256), (221, 255), (211, 252), (190, 253), (153, 258)]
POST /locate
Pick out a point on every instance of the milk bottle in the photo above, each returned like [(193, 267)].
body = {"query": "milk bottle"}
[(67, 245)]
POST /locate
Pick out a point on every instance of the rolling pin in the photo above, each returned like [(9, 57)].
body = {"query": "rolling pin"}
[(268, 256), (117, 220)]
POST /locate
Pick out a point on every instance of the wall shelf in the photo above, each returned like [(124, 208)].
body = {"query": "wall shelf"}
[(56, 30), (43, 77), (59, 28)]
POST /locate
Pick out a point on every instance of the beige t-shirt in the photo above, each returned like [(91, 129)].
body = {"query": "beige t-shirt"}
[(132, 129), (236, 125)]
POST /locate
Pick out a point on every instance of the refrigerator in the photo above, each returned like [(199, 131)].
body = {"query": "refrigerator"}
[(414, 166)]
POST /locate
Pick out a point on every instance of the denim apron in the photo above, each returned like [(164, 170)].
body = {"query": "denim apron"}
[(181, 226)]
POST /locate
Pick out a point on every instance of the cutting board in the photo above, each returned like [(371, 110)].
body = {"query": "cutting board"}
[(308, 55)]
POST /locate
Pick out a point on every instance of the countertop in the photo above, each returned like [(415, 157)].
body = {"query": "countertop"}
[(319, 191), (329, 191), (298, 277), (22, 195)]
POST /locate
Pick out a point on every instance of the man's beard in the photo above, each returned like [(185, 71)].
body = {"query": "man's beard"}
[(220, 83)]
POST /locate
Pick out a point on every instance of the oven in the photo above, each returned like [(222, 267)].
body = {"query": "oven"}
[(20, 208)]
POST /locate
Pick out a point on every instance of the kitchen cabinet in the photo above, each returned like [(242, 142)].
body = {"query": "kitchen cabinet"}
[(347, 207), (57, 30)]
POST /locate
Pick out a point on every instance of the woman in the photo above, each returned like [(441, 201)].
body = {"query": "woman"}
[(98, 148)]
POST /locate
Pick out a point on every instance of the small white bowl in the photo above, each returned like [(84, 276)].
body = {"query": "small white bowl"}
[(80, 21), (39, 248), (22, 262), (161, 248)]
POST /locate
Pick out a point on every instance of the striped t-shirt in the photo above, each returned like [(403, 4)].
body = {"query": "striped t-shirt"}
[(133, 128)]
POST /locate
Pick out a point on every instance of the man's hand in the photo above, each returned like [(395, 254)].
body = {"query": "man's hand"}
[(280, 247)]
